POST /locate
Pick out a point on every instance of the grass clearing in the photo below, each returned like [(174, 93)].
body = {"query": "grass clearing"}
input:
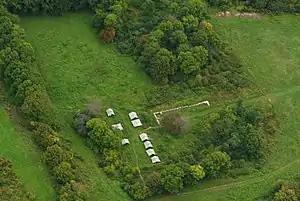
[(78, 68), (20, 150)]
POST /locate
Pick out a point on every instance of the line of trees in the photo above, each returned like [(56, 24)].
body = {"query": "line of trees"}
[(18, 70), (11, 187)]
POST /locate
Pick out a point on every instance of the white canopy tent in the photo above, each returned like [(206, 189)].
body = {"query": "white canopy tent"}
[(148, 145), (117, 126), (133, 115), (144, 137), (136, 123), (110, 112), (125, 141), (150, 152), (155, 159)]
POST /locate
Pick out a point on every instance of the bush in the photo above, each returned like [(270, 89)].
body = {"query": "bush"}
[(11, 187), (173, 122), (172, 178), (138, 190)]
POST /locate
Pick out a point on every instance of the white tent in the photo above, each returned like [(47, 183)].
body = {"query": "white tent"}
[(150, 152), (117, 126), (144, 137), (148, 145), (125, 141), (110, 112), (155, 159), (136, 123), (133, 115)]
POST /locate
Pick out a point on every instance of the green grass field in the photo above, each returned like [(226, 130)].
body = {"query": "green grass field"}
[(20, 150), (269, 49), (78, 68)]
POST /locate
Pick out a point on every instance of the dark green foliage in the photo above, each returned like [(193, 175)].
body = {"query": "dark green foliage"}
[(10, 185), (172, 41), (216, 162), (81, 119), (241, 132), (20, 74), (172, 178), (138, 190)]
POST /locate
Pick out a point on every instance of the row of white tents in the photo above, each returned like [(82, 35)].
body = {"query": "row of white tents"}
[(149, 148)]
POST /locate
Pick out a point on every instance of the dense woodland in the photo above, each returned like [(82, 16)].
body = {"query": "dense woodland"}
[(175, 44)]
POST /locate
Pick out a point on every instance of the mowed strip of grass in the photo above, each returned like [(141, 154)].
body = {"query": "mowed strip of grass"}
[(78, 68), (269, 50), (16, 146)]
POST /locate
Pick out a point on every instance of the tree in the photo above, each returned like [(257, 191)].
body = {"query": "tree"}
[(138, 190), (110, 20), (176, 39), (161, 65), (64, 172), (172, 178), (193, 60), (108, 35), (197, 8), (215, 162), (173, 122), (197, 172), (190, 23), (153, 181), (54, 155)]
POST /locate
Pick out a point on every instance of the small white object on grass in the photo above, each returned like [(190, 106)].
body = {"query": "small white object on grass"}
[(133, 115), (117, 126), (155, 159), (110, 112), (148, 145), (150, 152), (144, 137), (125, 141), (136, 123)]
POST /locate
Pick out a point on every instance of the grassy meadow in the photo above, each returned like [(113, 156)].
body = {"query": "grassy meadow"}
[(20, 150), (78, 68)]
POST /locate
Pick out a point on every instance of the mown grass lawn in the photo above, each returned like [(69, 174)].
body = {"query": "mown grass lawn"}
[(16, 146), (78, 68)]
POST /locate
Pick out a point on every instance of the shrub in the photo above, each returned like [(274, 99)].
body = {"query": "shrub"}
[(108, 35), (64, 172), (172, 178), (138, 190), (173, 122)]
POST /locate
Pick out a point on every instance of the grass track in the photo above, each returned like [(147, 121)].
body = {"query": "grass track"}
[(20, 150)]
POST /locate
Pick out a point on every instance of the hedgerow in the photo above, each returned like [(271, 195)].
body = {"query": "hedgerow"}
[(19, 73), (11, 187)]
